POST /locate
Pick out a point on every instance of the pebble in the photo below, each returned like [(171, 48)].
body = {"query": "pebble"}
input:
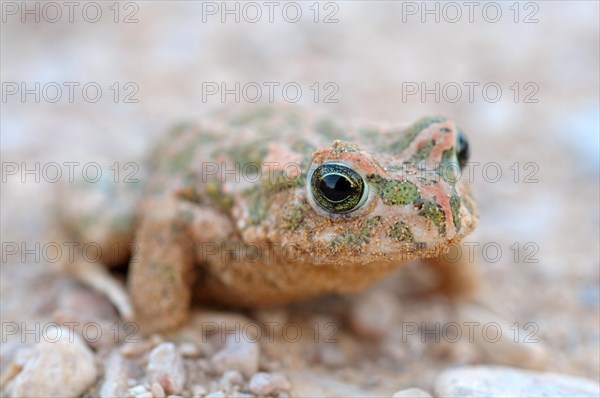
[(57, 367), (373, 313), (189, 350), (134, 349), (165, 367), (500, 381), (267, 384), (157, 391), (115, 376), (139, 391), (216, 394), (198, 391), (411, 393), (239, 353), (317, 383), (231, 378), (239, 394)]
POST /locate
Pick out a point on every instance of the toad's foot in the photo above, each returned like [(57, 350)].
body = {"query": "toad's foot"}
[(162, 272)]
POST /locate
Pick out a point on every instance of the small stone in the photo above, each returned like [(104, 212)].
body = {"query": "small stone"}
[(216, 394), (198, 391), (411, 393), (239, 394), (133, 350), (61, 365), (239, 354), (309, 383), (267, 384), (157, 391), (165, 367), (500, 381), (189, 350), (373, 313), (115, 376), (139, 391), (231, 378)]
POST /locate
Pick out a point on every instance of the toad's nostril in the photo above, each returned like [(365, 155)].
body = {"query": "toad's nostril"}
[(418, 204)]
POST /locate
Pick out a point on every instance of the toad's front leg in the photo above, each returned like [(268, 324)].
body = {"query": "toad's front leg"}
[(162, 272)]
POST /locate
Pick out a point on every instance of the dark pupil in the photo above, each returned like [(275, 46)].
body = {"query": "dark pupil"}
[(335, 187)]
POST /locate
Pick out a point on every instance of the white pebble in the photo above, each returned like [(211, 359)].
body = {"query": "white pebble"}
[(216, 394), (231, 378), (411, 393), (115, 376), (198, 391), (501, 381), (157, 391), (61, 365), (239, 394), (189, 350), (138, 391), (239, 354), (133, 350), (267, 384), (165, 367)]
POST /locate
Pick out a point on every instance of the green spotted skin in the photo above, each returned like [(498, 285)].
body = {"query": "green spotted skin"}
[(395, 192), (401, 231)]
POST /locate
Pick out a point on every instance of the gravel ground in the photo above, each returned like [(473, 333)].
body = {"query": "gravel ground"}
[(544, 219)]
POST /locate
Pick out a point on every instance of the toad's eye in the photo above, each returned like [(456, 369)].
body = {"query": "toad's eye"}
[(337, 188), (462, 149)]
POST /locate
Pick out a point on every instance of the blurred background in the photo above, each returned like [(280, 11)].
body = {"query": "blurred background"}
[(520, 78)]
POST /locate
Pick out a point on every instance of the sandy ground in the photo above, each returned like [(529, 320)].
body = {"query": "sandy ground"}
[(544, 124)]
